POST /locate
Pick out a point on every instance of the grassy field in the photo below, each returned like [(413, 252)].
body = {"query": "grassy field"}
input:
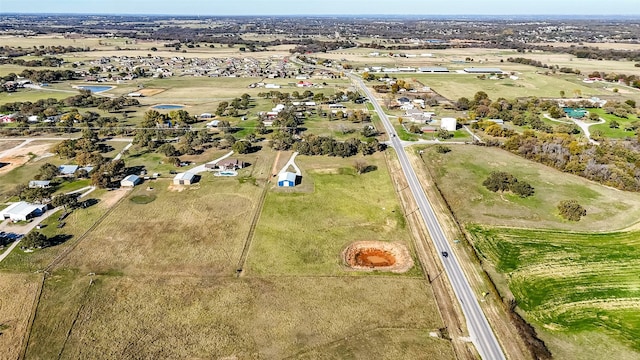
[(466, 167), (608, 132), (305, 233), (270, 318), (454, 86), (17, 292), (201, 236), (570, 283)]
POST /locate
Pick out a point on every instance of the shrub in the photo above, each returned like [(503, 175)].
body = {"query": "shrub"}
[(571, 210), (442, 149)]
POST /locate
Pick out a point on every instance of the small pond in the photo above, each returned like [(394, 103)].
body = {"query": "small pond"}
[(94, 88), (167, 107)]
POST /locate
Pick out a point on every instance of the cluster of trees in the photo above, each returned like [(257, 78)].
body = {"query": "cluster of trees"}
[(51, 107), (85, 150), (322, 145), (154, 119), (611, 163), (11, 51), (571, 210), (48, 75), (619, 109), (630, 80), (502, 181), (48, 61), (232, 109), (35, 240)]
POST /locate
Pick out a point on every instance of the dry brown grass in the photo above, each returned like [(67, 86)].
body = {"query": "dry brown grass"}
[(248, 318), (17, 292)]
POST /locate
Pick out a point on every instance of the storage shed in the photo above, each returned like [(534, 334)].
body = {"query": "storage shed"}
[(130, 181), (185, 178), (287, 179)]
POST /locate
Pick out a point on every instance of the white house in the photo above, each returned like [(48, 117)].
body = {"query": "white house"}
[(22, 211), (130, 181), (449, 124)]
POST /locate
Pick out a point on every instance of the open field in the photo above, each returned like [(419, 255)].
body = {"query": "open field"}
[(460, 174), (201, 236), (270, 318), (305, 233), (571, 283), (454, 86), (17, 292), (24, 164)]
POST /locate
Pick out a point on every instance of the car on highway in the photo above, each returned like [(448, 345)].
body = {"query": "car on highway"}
[(445, 254)]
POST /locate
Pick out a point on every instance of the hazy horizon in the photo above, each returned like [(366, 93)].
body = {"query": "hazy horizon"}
[(554, 8)]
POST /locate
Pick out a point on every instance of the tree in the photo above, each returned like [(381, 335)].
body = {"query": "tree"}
[(614, 124), (360, 166), (499, 181), (241, 147), (444, 134), (36, 195), (35, 239), (65, 200), (571, 210), (555, 112), (168, 150), (47, 172), (522, 188), (369, 131), (442, 149), (562, 94)]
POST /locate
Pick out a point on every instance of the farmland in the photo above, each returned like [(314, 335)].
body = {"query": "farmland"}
[(570, 283), (163, 282)]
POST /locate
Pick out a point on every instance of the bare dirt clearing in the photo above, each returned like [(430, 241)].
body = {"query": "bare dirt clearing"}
[(20, 156), (378, 255)]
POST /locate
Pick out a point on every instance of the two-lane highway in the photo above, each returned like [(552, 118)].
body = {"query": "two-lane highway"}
[(481, 333)]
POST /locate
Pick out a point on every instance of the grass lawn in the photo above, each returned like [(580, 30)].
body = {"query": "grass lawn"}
[(33, 95), (608, 132), (272, 318), (570, 283), (466, 167), (305, 232)]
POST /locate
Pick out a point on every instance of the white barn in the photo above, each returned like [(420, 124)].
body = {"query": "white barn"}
[(22, 211), (449, 124), (185, 178), (130, 181)]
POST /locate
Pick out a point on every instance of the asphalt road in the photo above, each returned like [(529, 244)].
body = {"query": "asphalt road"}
[(481, 333)]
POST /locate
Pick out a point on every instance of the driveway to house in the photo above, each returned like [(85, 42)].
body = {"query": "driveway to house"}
[(583, 126), (202, 168), (291, 163)]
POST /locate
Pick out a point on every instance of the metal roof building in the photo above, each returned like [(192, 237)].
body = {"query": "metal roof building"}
[(185, 178), (22, 211), (130, 181), (483, 70), (435, 69), (287, 179)]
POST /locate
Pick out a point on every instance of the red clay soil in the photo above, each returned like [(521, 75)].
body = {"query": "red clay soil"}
[(378, 255), (374, 258)]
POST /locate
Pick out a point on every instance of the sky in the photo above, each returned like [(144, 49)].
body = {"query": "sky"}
[(326, 7)]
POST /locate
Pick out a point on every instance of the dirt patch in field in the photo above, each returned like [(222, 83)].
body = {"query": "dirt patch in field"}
[(150, 92), (378, 255), (20, 156), (112, 197)]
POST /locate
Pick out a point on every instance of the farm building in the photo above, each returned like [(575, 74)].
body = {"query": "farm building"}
[(449, 124), (42, 184), (287, 179), (213, 123), (130, 181), (435, 69), (22, 211), (483, 70), (185, 178), (206, 116)]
